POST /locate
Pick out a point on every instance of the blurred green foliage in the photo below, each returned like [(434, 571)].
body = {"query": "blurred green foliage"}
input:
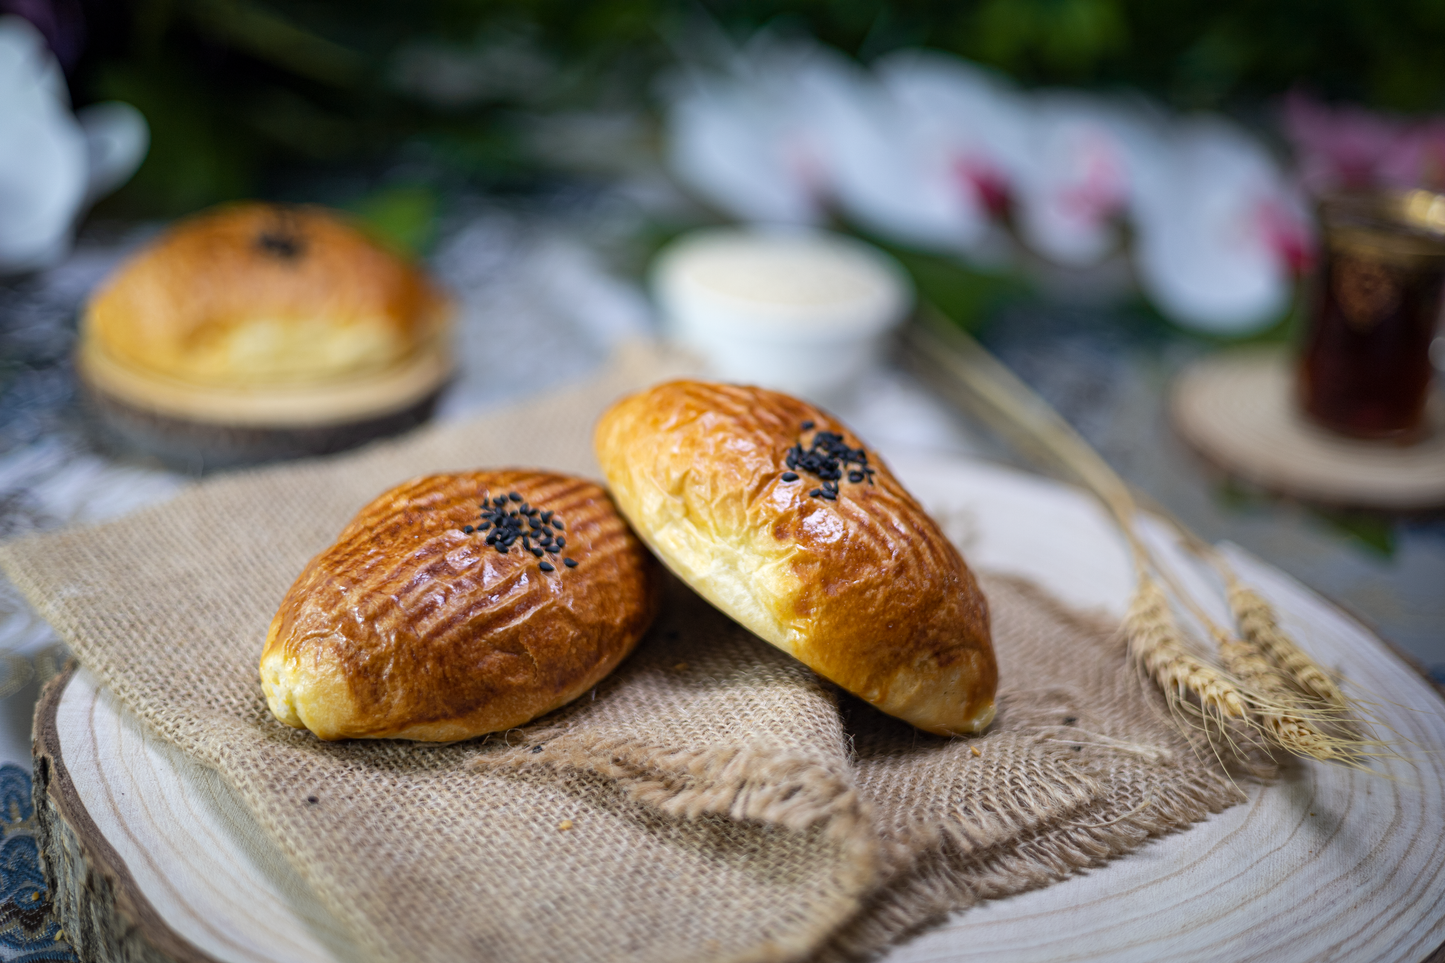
[(1375, 531), (403, 217), (235, 89), (965, 294)]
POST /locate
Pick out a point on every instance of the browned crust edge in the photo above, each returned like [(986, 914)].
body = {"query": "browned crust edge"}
[(102, 910)]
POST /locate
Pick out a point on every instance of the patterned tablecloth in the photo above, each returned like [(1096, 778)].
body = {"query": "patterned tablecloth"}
[(28, 930)]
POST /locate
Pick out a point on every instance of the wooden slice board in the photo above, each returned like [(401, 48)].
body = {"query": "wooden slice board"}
[(195, 428), (1237, 409), (154, 858)]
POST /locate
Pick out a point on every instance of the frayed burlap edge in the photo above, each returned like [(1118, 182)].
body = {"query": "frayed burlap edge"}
[(951, 873), (790, 791), (945, 867)]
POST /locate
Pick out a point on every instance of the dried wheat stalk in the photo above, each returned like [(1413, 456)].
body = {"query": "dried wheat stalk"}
[(1263, 673)]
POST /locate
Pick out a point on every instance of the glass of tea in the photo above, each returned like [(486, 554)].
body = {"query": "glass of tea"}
[(1365, 371)]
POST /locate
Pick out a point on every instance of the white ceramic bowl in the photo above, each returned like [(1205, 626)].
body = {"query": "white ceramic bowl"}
[(798, 310)]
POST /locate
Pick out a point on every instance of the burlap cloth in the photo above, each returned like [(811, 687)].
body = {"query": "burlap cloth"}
[(722, 802)]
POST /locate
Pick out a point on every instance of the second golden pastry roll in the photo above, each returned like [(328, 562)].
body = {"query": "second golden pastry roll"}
[(780, 517)]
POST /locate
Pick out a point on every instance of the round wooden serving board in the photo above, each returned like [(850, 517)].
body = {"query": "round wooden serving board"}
[(153, 858)]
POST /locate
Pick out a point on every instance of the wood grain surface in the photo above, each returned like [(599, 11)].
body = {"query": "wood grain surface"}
[(1325, 863), (151, 857)]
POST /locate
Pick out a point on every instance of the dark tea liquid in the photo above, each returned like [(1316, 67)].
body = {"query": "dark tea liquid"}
[(1366, 365)]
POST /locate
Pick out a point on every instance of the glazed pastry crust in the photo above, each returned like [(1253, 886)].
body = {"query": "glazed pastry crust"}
[(409, 628), (259, 295), (865, 590)]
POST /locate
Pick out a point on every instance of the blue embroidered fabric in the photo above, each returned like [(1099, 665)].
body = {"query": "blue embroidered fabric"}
[(28, 931)]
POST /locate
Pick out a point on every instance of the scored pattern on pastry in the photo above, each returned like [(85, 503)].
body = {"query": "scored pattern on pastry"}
[(409, 626), (858, 584)]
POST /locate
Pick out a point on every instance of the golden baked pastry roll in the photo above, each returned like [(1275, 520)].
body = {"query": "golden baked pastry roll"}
[(259, 295), (455, 605), (777, 515), (255, 331)]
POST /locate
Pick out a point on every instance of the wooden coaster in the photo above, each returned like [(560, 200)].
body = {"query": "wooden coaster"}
[(1238, 410)]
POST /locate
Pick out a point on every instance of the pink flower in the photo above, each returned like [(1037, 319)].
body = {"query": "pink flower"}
[(1221, 233), (1349, 147)]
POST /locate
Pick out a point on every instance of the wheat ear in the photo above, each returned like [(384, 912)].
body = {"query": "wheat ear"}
[(1258, 625), (1275, 703), (1156, 644)]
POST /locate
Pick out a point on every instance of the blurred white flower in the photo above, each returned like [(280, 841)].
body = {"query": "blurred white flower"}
[(51, 163), (1221, 232), (922, 155), (930, 151), (744, 141), (1076, 179)]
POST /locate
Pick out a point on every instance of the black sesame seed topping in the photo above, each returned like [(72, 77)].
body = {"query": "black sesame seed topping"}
[(827, 458), (512, 520), (569, 562), (468, 529), (282, 244)]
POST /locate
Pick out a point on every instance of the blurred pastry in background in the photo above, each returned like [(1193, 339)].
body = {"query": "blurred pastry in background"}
[(256, 332)]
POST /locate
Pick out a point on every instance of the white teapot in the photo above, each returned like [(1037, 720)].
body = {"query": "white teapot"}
[(53, 163)]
